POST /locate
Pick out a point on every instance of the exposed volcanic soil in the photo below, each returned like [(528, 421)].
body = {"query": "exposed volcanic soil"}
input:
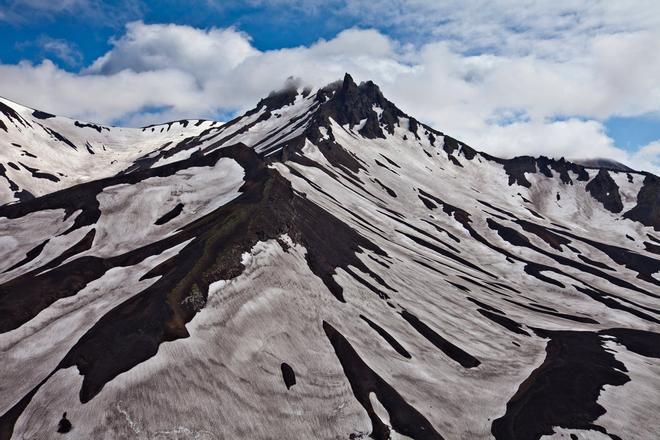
[(323, 266)]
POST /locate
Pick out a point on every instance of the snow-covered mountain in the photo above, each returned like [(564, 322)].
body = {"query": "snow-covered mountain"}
[(42, 153), (323, 266)]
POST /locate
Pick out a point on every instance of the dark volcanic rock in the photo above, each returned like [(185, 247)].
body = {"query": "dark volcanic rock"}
[(604, 189), (642, 342), (404, 418), (389, 338), (65, 425), (465, 359), (98, 128), (42, 115), (517, 167), (288, 375), (13, 116), (564, 390), (647, 210), (170, 214), (350, 103)]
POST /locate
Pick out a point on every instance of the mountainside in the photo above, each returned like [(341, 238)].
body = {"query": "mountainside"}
[(323, 266), (42, 153)]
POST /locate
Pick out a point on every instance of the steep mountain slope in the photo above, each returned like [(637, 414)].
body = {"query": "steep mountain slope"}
[(325, 266)]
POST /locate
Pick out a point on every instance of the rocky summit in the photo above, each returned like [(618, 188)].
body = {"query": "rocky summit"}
[(323, 266)]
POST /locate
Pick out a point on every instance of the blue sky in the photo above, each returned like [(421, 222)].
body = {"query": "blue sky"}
[(566, 78), (634, 132), (269, 27)]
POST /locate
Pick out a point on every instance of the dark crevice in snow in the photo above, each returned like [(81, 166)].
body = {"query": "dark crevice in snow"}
[(170, 215), (457, 354), (388, 337)]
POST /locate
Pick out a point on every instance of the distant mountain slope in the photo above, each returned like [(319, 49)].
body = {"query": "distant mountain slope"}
[(608, 164), (326, 266), (41, 153)]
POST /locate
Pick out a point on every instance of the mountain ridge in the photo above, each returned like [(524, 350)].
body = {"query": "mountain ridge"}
[(344, 102), (353, 98)]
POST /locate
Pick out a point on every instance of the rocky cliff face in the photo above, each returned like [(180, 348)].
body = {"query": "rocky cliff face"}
[(323, 266)]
